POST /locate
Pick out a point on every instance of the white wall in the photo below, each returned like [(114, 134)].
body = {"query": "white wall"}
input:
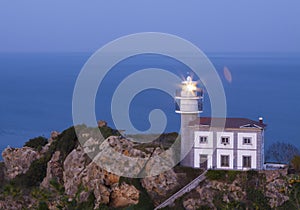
[(253, 144), (224, 152), (241, 153), (225, 134), (221, 149), (209, 143), (198, 152)]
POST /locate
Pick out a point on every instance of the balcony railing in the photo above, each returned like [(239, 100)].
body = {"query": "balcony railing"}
[(198, 93), (199, 105)]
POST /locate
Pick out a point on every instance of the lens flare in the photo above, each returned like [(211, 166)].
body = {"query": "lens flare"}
[(227, 74)]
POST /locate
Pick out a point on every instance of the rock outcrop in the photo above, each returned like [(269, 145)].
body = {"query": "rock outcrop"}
[(18, 160), (80, 171), (272, 184), (102, 123), (276, 188), (119, 155), (160, 186), (205, 193), (81, 174), (98, 181), (74, 165), (124, 195), (13, 204), (54, 171)]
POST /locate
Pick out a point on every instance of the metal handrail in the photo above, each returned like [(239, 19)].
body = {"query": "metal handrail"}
[(183, 190)]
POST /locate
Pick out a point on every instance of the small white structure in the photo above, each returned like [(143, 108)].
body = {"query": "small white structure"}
[(238, 146), (275, 166)]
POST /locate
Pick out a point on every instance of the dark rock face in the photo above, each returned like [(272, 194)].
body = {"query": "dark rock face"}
[(2, 168)]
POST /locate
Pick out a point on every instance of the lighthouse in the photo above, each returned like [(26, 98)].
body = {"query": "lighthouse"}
[(188, 101)]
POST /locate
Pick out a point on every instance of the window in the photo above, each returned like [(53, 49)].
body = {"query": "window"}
[(247, 161), (225, 140), (246, 140), (203, 139), (224, 160)]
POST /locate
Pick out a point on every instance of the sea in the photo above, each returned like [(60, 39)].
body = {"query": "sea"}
[(36, 92)]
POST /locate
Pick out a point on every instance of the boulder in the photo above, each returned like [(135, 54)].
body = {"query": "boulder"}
[(102, 123), (276, 198), (189, 204), (124, 195), (17, 161), (74, 165), (54, 170), (78, 170), (159, 186), (54, 135)]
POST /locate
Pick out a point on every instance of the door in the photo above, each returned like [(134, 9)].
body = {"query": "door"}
[(203, 161)]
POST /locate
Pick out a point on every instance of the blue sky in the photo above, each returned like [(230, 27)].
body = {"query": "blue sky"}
[(214, 26)]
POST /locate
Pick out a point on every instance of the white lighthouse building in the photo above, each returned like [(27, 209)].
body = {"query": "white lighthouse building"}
[(189, 105), (237, 146)]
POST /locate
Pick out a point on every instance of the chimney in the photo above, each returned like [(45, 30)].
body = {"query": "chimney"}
[(261, 120)]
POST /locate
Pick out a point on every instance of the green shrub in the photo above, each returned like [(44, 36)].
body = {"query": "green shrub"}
[(2, 168), (222, 175), (294, 198), (218, 200), (231, 175), (35, 174), (108, 131), (66, 142), (104, 207), (40, 194), (11, 189), (89, 204), (57, 186), (36, 143), (257, 199), (204, 207), (296, 163), (43, 206), (252, 174), (216, 175)]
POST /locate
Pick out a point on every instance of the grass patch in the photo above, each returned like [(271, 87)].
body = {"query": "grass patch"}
[(222, 175)]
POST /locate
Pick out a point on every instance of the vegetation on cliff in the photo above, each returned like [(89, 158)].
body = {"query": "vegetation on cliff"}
[(25, 189), (72, 179), (36, 143)]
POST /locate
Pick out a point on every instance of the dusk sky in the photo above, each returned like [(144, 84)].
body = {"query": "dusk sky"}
[(214, 26)]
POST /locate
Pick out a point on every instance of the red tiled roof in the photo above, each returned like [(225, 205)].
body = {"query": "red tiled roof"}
[(230, 122)]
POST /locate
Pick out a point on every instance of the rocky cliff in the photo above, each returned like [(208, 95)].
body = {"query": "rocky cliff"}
[(63, 175), (17, 161), (244, 190)]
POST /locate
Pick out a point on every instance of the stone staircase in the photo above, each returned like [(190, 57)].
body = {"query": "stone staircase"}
[(190, 186)]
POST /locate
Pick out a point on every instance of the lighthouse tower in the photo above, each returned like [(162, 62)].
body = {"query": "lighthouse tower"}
[(188, 101)]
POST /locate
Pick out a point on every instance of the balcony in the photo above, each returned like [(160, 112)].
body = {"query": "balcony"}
[(191, 95), (196, 106)]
